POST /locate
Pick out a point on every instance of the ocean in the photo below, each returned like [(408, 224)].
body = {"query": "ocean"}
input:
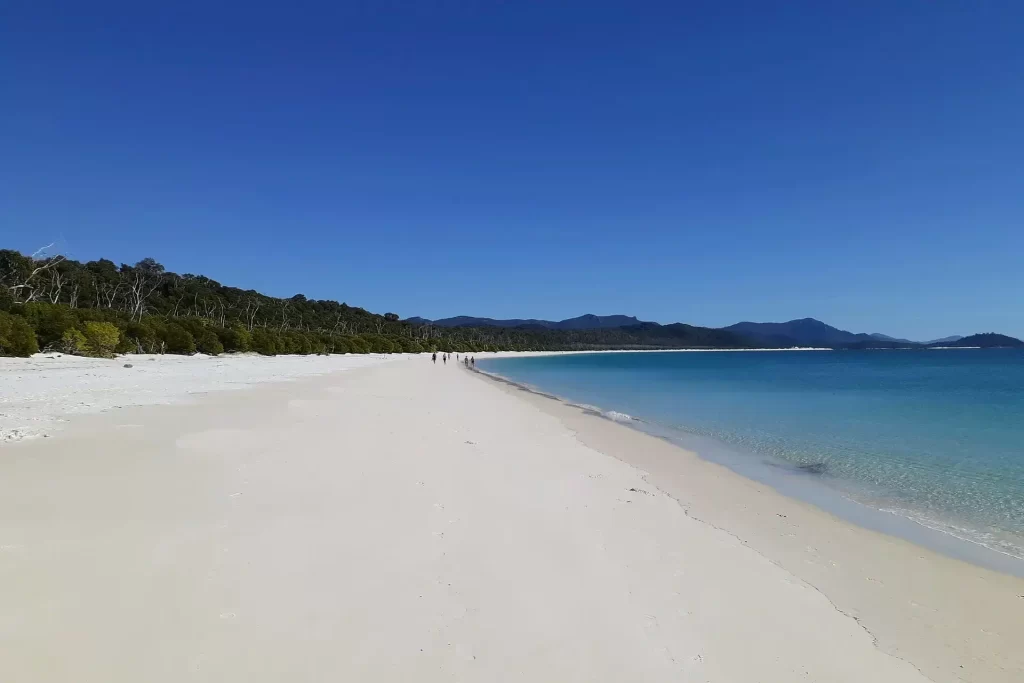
[(903, 441)]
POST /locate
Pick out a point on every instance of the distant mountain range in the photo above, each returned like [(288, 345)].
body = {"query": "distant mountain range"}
[(811, 332), (944, 340), (805, 332)]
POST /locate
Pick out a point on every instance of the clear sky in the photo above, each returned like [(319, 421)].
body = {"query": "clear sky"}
[(706, 162)]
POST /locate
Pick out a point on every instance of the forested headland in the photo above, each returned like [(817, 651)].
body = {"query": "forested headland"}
[(99, 308)]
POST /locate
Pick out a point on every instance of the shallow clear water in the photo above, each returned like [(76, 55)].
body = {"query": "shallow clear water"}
[(933, 436)]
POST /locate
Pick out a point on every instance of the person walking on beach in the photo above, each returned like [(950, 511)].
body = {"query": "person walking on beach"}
[(434, 358), (445, 359), (472, 361)]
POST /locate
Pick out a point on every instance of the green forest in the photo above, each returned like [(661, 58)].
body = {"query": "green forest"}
[(99, 308)]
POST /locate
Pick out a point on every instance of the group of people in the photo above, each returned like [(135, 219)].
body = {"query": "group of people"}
[(445, 356)]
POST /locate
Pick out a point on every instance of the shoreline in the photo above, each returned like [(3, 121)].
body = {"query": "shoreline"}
[(904, 594), (792, 482)]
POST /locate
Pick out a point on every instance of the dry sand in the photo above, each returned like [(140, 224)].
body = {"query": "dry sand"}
[(39, 394), (416, 522)]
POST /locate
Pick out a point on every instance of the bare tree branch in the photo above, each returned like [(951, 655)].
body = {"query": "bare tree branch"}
[(27, 290)]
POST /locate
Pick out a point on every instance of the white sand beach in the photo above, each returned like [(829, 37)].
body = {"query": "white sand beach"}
[(39, 394), (409, 521)]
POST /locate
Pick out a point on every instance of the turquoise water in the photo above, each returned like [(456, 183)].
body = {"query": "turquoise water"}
[(936, 437)]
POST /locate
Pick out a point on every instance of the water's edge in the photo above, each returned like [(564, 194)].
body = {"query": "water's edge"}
[(798, 483)]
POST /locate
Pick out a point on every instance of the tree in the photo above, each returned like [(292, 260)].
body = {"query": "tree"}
[(14, 271), (107, 284), (142, 280), (16, 336), (25, 277)]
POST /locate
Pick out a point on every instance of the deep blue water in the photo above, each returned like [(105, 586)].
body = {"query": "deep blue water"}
[(933, 436)]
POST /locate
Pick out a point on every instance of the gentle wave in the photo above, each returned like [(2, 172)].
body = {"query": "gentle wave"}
[(990, 540), (1004, 543)]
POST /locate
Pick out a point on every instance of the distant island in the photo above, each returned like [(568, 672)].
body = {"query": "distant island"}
[(987, 340), (99, 308), (811, 332)]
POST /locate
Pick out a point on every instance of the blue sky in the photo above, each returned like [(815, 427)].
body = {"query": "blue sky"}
[(705, 162)]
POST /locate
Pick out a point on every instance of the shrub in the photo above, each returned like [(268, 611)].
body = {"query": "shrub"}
[(318, 346), (207, 341), (50, 321), (178, 340), (264, 342), (377, 344), (357, 344), (16, 336), (285, 342), (204, 336), (101, 339), (296, 342), (235, 338), (140, 337), (73, 342), (412, 346), (126, 345)]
